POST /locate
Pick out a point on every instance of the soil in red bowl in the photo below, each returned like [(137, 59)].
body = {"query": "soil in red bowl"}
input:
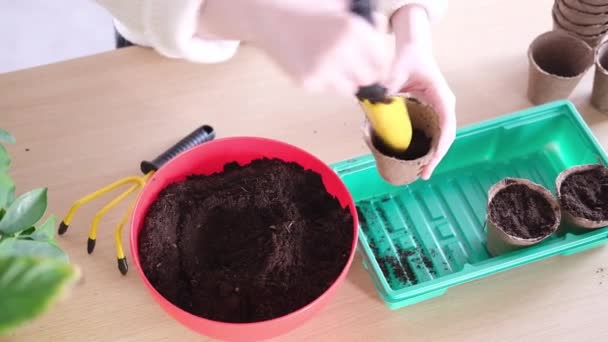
[(522, 212), (249, 244), (585, 194)]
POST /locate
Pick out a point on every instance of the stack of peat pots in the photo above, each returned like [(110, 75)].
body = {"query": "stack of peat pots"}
[(586, 19), (560, 58)]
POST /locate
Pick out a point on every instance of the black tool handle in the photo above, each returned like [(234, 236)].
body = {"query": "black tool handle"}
[(200, 135), (363, 8), (374, 93)]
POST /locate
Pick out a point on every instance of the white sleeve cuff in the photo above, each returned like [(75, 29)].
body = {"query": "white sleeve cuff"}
[(435, 9), (171, 27)]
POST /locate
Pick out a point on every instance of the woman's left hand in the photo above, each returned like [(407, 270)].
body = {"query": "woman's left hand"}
[(415, 71)]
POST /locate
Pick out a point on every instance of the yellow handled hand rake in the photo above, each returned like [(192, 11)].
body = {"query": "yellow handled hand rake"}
[(200, 135)]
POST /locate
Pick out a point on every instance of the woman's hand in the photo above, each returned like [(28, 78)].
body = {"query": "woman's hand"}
[(323, 47), (415, 71)]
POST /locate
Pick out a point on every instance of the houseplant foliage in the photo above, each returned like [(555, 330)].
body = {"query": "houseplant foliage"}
[(34, 271)]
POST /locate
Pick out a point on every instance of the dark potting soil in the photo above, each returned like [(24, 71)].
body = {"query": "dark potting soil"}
[(585, 194), (419, 146), (403, 274), (249, 244), (400, 268), (522, 212)]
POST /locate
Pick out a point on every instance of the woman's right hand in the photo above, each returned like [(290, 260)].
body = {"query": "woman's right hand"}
[(323, 49)]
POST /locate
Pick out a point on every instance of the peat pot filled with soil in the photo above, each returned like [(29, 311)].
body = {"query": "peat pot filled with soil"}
[(244, 238), (519, 213), (583, 195), (404, 167)]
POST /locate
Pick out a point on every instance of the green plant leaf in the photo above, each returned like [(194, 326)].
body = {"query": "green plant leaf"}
[(6, 137), (11, 247), (7, 190), (27, 232), (29, 287), (24, 212), (5, 159), (46, 231)]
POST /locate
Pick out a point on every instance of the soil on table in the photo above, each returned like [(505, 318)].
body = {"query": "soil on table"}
[(585, 194), (249, 244), (419, 146), (522, 212)]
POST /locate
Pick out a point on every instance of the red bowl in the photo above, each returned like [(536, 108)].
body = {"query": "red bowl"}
[(210, 158)]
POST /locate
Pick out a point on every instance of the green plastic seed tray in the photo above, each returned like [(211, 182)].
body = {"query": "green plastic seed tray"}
[(419, 240)]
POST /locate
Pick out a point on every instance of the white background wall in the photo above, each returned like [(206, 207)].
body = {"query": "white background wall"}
[(37, 32)]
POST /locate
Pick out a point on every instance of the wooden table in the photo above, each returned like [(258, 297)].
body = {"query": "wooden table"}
[(84, 123)]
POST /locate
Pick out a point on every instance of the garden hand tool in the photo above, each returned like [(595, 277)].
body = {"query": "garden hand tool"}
[(387, 115), (200, 135)]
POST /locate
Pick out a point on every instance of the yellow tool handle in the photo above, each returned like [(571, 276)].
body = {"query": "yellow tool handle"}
[(390, 122)]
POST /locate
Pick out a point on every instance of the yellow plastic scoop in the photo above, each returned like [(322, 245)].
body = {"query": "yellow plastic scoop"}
[(390, 121), (387, 115)]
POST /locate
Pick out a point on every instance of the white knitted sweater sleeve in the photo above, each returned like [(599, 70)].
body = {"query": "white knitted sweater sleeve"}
[(169, 26)]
